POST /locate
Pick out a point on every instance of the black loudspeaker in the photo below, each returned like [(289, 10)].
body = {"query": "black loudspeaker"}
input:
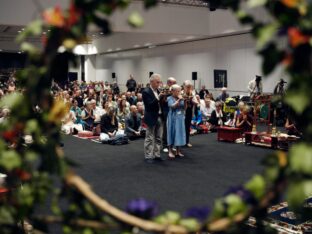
[(113, 75), (194, 75), (150, 74)]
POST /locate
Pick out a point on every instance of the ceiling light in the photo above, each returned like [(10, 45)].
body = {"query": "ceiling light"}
[(109, 50), (148, 44), (118, 48), (190, 37), (136, 46), (174, 40)]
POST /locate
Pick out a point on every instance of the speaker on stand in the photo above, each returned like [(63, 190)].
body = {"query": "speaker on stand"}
[(194, 77), (114, 76)]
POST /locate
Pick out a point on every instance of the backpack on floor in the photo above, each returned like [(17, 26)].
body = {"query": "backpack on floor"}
[(121, 139)]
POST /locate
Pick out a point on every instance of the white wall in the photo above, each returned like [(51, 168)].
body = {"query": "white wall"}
[(236, 54)]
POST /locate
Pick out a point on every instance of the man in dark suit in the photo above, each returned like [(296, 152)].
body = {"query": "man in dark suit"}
[(153, 120), (133, 124)]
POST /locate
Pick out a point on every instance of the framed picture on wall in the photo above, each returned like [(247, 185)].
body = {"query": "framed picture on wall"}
[(220, 78)]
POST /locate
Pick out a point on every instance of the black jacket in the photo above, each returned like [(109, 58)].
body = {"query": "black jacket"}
[(151, 105), (106, 124)]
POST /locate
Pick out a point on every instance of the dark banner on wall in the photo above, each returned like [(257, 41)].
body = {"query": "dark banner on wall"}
[(220, 78)]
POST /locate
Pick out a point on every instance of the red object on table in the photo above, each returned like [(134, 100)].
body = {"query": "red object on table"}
[(229, 134)]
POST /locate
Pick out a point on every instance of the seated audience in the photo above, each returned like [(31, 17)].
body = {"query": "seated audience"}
[(206, 109), (203, 92), (122, 111), (77, 111), (241, 106), (245, 120), (133, 127), (109, 125), (223, 96), (68, 124), (217, 117), (291, 127), (88, 116)]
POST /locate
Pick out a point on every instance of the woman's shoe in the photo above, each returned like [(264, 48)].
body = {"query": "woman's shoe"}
[(171, 156), (189, 145), (180, 155)]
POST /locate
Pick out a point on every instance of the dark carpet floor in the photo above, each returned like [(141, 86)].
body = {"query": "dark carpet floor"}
[(119, 174)]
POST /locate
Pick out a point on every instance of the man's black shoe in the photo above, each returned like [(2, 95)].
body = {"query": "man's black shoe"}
[(159, 159), (149, 160)]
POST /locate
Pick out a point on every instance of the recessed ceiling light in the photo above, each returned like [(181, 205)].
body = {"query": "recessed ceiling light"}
[(136, 46), (118, 48), (190, 37), (148, 44), (174, 40)]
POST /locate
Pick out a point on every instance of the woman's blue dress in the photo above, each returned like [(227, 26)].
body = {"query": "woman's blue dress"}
[(175, 123)]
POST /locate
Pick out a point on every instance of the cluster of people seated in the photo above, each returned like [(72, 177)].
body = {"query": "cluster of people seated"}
[(100, 107)]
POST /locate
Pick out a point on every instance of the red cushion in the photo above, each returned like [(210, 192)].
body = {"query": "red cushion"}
[(85, 134)]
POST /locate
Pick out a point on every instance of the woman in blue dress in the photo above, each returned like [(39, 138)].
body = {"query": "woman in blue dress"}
[(175, 122)]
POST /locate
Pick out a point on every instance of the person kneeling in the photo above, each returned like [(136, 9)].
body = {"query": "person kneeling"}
[(133, 124)]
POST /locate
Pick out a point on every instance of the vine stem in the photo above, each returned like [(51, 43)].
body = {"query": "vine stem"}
[(84, 188)]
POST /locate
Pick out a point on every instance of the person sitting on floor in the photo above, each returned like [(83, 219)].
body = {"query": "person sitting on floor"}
[(133, 124), (206, 109), (109, 125), (88, 116), (217, 117), (245, 120)]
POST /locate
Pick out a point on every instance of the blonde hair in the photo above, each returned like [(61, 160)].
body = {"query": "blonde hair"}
[(175, 87)]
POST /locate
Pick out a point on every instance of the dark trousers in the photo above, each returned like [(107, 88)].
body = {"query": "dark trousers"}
[(164, 137), (188, 120)]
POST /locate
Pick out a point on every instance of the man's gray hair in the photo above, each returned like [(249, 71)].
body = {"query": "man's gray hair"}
[(175, 87), (187, 83), (172, 79), (154, 76)]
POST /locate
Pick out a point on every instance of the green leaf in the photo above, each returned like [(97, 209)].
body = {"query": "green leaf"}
[(265, 34), (31, 156), (9, 101), (235, 205), (256, 185), (297, 100), (218, 209), (6, 216), (300, 159), (190, 224), (29, 48), (170, 217), (135, 20), (87, 231), (33, 29), (256, 3), (31, 126), (10, 160), (297, 192), (25, 195)]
